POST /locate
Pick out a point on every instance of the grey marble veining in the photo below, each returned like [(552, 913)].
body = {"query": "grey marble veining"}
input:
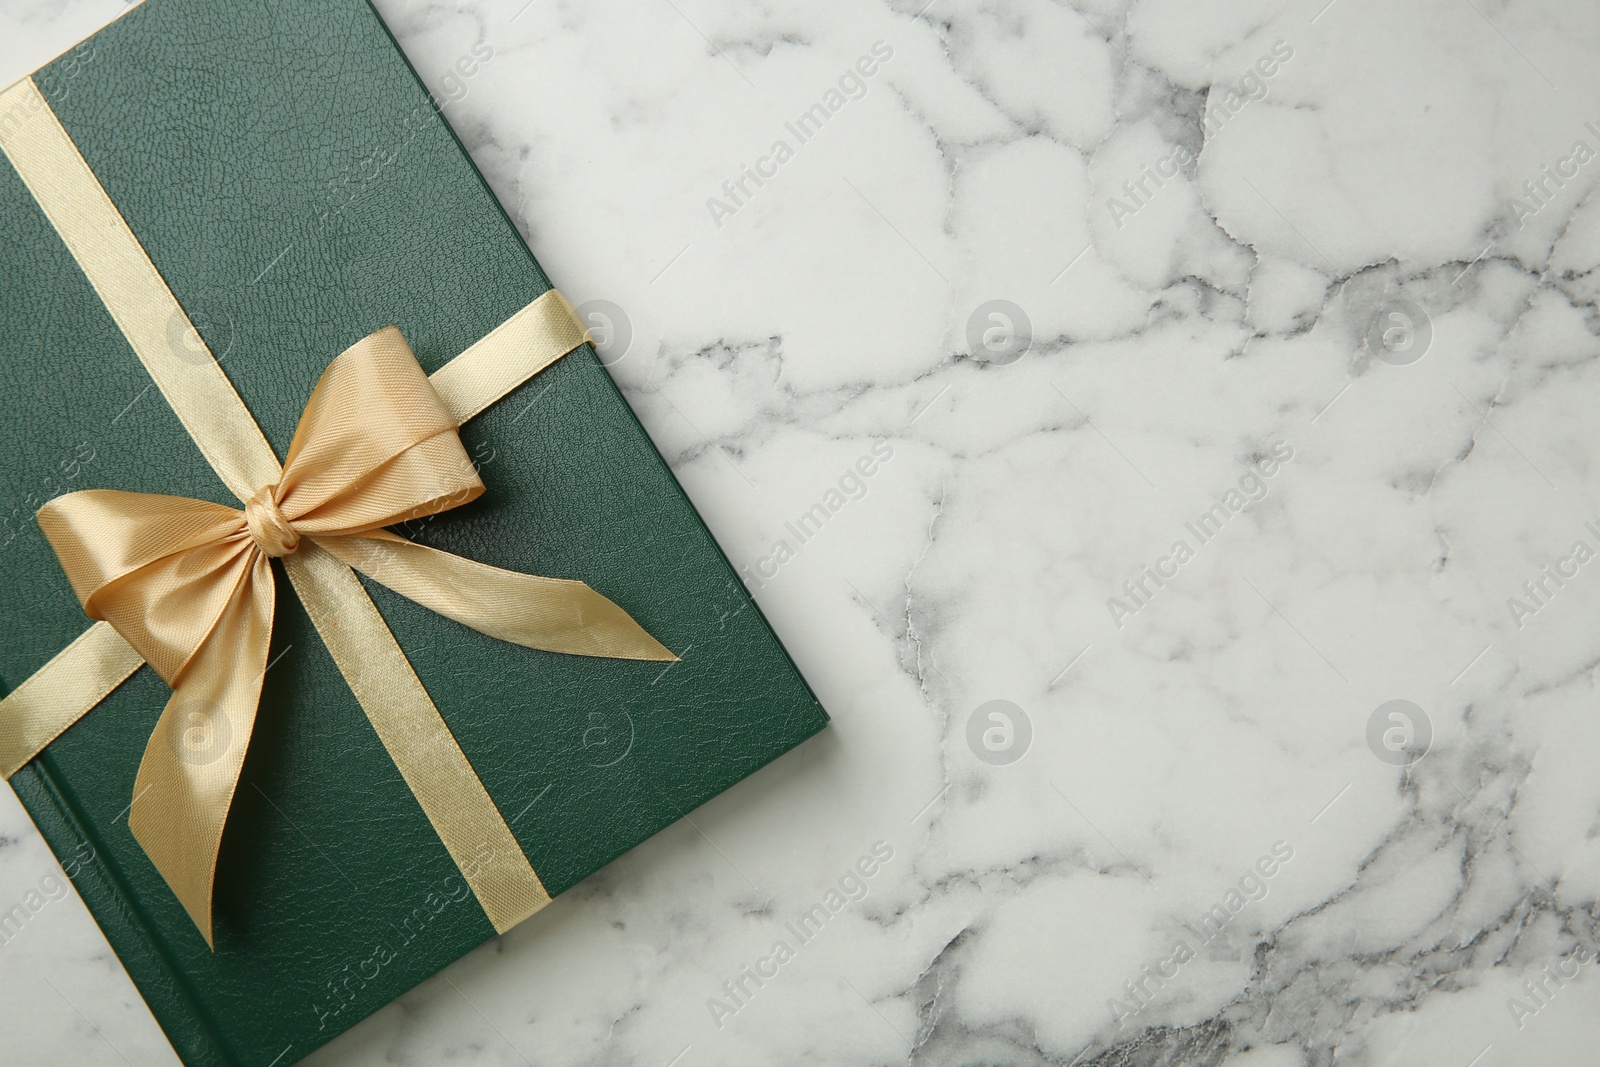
[(1225, 373)]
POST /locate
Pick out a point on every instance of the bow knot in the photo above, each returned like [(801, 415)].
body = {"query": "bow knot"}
[(271, 532), (182, 581)]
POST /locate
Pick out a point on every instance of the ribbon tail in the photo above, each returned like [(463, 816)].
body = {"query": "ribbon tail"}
[(552, 614), (191, 765)]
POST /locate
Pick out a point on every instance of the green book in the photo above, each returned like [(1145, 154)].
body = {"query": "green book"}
[(297, 189)]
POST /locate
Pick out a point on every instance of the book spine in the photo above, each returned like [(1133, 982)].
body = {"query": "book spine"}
[(187, 1025)]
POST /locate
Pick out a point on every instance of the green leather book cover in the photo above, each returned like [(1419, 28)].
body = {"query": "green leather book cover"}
[(297, 189)]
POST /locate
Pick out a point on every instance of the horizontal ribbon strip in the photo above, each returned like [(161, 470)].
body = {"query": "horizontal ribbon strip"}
[(61, 692), (87, 670)]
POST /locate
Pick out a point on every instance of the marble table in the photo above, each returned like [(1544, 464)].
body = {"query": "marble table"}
[(1211, 652)]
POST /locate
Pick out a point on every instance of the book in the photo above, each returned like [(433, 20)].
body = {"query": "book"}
[(297, 188)]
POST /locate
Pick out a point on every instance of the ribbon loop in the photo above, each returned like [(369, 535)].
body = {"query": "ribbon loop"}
[(375, 445), (159, 569)]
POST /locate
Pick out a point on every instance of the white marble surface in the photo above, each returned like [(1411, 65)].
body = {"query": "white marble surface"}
[(1177, 339)]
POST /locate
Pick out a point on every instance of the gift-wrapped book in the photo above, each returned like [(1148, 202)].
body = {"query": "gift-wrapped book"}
[(397, 624)]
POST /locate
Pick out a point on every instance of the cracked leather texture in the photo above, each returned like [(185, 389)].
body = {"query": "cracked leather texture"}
[(290, 179)]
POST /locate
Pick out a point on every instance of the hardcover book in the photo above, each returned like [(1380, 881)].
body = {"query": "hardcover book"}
[(297, 189)]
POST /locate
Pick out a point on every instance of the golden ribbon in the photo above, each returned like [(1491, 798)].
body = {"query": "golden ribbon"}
[(187, 585)]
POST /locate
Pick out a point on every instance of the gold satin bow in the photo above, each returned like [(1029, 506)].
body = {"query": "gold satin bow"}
[(189, 584)]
